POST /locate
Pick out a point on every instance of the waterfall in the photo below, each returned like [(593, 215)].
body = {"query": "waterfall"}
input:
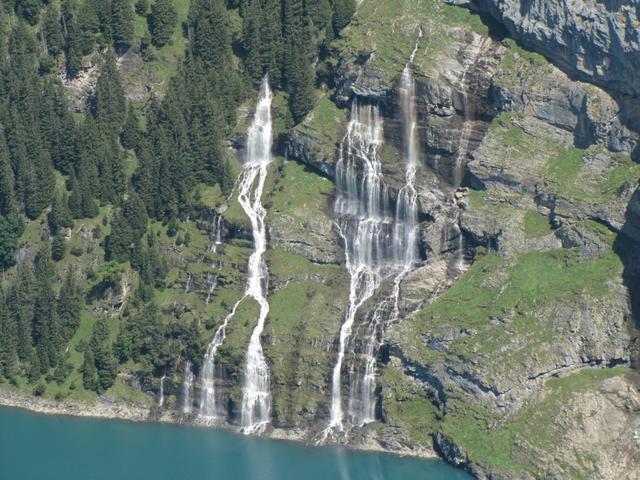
[(465, 136), (216, 232), (219, 231), (378, 243), (364, 222), (406, 222), (187, 389), (256, 394), (452, 241), (161, 394), (479, 46), (187, 285), (212, 279), (208, 407), (459, 263)]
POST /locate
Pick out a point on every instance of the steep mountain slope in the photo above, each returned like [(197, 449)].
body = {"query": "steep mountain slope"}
[(506, 367), (508, 346)]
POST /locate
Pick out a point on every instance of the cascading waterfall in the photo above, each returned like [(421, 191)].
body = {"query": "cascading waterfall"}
[(362, 400), (405, 255), (212, 279), (161, 394), (465, 136), (405, 234), (364, 222), (216, 232), (208, 407), (256, 392), (187, 389), (467, 111), (378, 244), (187, 285), (459, 263)]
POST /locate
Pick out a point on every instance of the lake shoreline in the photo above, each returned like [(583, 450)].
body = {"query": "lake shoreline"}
[(107, 409)]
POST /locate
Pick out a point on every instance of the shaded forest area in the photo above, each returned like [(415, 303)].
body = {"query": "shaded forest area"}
[(63, 168)]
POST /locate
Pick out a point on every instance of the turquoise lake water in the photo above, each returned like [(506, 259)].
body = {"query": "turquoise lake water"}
[(40, 447)]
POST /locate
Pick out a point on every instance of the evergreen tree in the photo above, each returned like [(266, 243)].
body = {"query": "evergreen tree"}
[(146, 180), (109, 104), (7, 198), (297, 67), (262, 39), (11, 227), (107, 368), (104, 360), (294, 35), (60, 215), (122, 345), (52, 29), (110, 165), (21, 301), (89, 25), (142, 6), (211, 33), (132, 134), (162, 21), (29, 10), (46, 328), (302, 98), (343, 11), (8, 342), (73, 55), (271, 39), (320, 13), (39, 185), (89, 372), (75, 199), (64, 142), (58, 248), (135, 212), (127, 227), (122, 23), (251, 39), (70, 303)]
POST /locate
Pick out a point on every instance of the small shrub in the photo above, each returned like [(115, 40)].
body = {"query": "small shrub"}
[(39, 390)]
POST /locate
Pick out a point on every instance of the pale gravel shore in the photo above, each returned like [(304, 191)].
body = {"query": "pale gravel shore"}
[(107, 409)]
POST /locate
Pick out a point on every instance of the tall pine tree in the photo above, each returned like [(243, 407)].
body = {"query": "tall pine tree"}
[(162, 21), (121, 23)]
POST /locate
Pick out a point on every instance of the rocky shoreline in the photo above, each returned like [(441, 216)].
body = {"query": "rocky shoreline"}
[(108, 409)]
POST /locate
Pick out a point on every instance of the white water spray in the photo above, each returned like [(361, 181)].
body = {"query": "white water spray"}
[(378, 244), (212, 279), (208, 407), (216, 232), (364, 222), (187, 389), (161, 394), (256, 393), (362, 401)]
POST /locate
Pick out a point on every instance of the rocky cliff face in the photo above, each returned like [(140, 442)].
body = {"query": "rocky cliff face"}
[(592, 40), (513, 351), (536, 327)]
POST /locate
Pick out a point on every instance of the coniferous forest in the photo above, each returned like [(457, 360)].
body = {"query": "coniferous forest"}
[(401, 225), (128, 165)]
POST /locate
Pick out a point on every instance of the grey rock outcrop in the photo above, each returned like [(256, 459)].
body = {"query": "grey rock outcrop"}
[(593, 40)]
